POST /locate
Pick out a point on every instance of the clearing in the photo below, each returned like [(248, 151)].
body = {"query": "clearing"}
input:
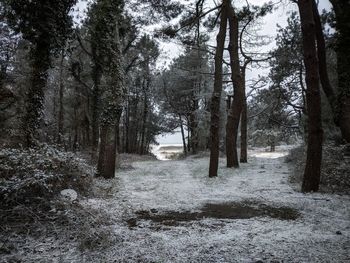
[(170, 211)]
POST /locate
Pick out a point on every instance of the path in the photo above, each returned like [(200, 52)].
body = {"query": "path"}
[(320, 234)]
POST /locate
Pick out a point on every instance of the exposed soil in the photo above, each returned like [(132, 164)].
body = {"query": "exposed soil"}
[(233, 210)]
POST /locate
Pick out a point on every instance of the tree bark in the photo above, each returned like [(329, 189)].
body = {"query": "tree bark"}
[(61, 109), (108, 149), (96, 78), (312, 171), (102, 151), (216, 97), (183, 135), (144, 117), (244, 123), (342, 13), (234, 112), (322, 62), (40, 64)]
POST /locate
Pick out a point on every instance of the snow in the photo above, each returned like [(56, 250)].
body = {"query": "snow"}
[(165, 154), (184, 185), (69, 194)]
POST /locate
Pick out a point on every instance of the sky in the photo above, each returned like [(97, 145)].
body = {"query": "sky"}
[(171, 50)]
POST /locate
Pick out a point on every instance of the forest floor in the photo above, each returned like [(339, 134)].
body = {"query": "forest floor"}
[(170, 211)]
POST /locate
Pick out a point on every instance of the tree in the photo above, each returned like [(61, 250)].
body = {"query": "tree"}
[(107, 15), (235, 110), (186, 85), (342, 14), (216, 97), (46, 26), (312, 171)]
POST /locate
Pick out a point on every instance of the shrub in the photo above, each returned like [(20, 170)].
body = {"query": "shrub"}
[(27, 174)]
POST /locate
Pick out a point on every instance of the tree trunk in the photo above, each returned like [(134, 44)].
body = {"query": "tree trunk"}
[(96, 78), (40, 64), (216, 97), (312, 171), (183, 135), (144, 122), (60, 111), (194, 131), (322, 62), (234, 112), (244, 143), (188, 136), (342, 13), (102, 151), (127, 123)]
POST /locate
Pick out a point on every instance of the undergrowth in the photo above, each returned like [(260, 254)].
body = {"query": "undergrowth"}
[(334, 170), (31, 208)]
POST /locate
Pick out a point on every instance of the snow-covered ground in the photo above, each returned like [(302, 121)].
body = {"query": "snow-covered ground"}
[(320, 234)]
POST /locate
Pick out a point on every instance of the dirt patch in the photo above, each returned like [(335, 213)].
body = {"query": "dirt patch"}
[(235, 210)]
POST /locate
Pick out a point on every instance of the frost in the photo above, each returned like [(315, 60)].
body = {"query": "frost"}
[(320, 232), (70, 194), (38, 172), (156, 187)]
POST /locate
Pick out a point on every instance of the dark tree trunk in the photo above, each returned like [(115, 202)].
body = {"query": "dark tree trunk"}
[(96, 78), (312, 171), (3, 73), (107, 152), (102, 151), (61, 109), (144, 122), (342, 13), (194, 131), (188, 136), (216, 97), (183, 135), (322, 62), (244, 143), (127, 124), (244, 123), (40, 56), (234, 112)]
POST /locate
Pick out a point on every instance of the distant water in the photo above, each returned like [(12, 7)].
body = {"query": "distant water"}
[(166, 151)]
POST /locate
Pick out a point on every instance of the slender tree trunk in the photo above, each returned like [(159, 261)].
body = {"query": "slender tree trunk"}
[(216, 97), (188, 136), (312, 171), (183, 135), (244, 123), (144, 122), (61, 109), (127, 125), (194, 131), (40, 65), (234, 112), (244, 143), (342, 13)]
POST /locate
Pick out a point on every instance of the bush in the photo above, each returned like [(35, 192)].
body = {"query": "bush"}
[(334, 169), (28, 174)]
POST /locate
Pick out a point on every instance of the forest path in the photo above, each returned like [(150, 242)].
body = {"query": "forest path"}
[(170, 211)]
